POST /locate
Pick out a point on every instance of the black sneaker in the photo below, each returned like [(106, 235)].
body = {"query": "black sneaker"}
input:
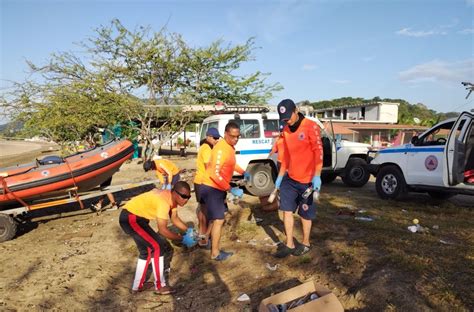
[(284, 251), (300, 250)]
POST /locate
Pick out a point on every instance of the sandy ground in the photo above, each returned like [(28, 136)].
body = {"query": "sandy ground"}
[(18, 152), (67, 259)]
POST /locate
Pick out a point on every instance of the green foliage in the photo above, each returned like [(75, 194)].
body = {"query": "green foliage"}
[(104, 84)]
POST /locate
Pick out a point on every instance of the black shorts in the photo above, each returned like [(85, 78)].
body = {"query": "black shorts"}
[(215, 202), (197, 192)]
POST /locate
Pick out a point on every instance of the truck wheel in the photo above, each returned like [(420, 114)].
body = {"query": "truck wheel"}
[(356, 172), (328, 177), (7, 227), (440, 195), (261, 183), (390, 183)]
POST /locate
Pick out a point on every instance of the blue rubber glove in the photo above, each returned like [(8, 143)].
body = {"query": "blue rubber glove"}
[(188, 238), (316, 182), (237, 192), (278, 182), (247, 176), (190, 231), (168, 186)]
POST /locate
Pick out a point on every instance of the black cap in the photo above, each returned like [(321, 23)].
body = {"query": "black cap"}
[(286, 109)]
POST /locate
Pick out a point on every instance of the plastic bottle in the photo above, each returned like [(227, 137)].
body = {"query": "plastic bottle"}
[(307, 192), (310, 191), (272, 196)]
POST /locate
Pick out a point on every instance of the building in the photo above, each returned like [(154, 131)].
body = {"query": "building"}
[(374, 123)]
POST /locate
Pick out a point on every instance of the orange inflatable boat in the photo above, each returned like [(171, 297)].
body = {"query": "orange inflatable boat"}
[(53, 175)]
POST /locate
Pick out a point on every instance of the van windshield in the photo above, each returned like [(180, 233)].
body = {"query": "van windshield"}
[(249, 128), (270, 127)]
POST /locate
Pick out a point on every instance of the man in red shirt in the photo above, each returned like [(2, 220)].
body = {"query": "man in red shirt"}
[(300, 168), (215, 184)]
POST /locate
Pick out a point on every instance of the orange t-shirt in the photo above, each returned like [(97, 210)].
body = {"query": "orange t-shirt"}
[(152, 205), (279, 148), (167, 167), (221, 166), (300, 149), (203, 158)]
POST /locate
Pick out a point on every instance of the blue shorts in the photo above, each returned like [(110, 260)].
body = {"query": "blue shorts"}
[(197, 192), (214, 199), (291, 199)]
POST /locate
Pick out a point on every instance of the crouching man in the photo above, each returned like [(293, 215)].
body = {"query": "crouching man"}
[(159, 205)]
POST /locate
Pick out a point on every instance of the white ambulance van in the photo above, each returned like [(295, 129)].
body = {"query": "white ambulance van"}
[(258, 128)]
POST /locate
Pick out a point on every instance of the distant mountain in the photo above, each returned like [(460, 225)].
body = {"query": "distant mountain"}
[(10, 128)]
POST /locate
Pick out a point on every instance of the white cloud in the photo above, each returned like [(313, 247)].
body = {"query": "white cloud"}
[(411, 33), (467, 31), (439, 71), (308, 67), (340, 81)]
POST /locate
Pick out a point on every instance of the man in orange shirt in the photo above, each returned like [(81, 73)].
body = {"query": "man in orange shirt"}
[(302, 163), (278, 148), (166, 171), (159, 205), (216, 183), (202, 163)]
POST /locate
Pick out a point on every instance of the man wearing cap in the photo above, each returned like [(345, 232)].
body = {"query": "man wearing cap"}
[(302, 162), (202, 163), (216, 183)]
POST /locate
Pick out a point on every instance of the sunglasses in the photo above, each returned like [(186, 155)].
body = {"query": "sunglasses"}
[(184, 196), (216, 138)]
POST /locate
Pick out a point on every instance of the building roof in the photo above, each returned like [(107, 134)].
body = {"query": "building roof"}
[(355, 105), (346, 128), (339, 128)]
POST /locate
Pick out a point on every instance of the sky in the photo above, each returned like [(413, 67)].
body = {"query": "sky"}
[(416, 50)]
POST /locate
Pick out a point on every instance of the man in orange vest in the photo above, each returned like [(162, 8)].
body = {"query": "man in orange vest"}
[(166, 171), (300, 169), (202, 163), (216, 183)]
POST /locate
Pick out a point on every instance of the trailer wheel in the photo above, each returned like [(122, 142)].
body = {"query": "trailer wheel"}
[(262, 179), (8, 227), (356, 172)]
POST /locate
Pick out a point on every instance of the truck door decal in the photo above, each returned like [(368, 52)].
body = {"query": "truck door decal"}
[(431, 162)]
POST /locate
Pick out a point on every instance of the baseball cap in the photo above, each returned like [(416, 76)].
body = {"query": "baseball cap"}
[(286, 109), (213, 133)]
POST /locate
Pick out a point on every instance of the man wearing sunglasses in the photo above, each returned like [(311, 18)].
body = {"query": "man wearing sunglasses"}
[(202, 163), (216, 183), (300, 169), (159, 205)]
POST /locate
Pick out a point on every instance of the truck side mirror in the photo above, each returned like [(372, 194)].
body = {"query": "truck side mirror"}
[(414, 140)]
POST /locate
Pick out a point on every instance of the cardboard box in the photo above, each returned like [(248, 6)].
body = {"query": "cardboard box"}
[(327, 301), (266, 206)]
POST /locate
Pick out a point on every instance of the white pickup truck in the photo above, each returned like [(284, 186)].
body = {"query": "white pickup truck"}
[(257, 130), (439, 161)]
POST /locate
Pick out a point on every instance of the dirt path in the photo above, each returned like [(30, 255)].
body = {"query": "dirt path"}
[(83, 261)]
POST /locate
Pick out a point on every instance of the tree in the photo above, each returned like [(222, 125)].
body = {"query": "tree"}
[(128, 75)]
